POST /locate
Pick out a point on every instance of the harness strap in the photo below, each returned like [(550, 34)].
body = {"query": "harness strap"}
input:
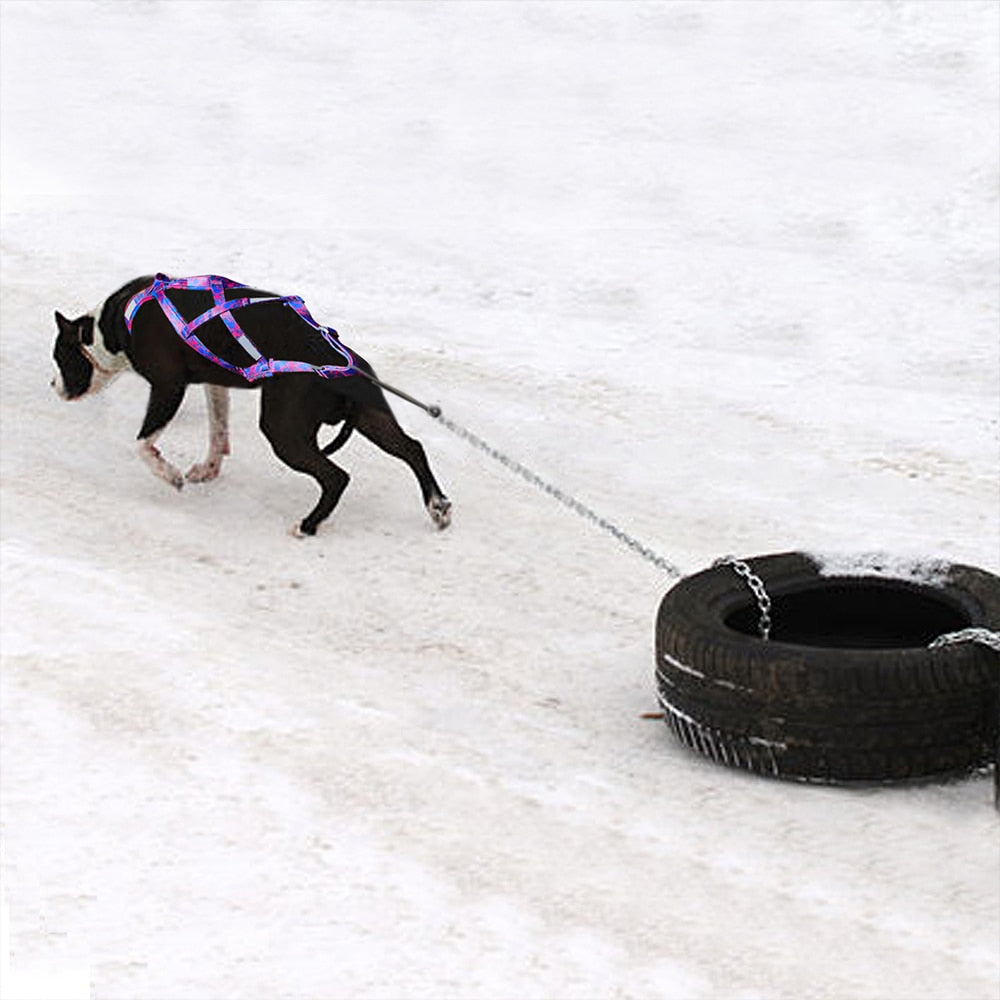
[(217, 285)]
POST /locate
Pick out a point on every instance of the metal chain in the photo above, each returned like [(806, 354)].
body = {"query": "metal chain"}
[(757, 588), (564, 498), (984, 636), (741, 568)]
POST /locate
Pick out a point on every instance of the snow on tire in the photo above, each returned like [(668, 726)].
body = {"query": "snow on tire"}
[(845, 689)]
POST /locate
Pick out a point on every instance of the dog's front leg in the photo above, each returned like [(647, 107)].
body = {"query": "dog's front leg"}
[(217, 398), (160, 467), (163, 404)]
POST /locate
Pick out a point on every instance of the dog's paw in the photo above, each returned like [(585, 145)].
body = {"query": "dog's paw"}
[(298, 531), (439, 509), (203, 472), (171, 476), (159, 466)]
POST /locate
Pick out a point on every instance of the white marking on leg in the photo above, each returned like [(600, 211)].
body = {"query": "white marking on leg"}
[(439, 509), (159, 466), (217, 398)]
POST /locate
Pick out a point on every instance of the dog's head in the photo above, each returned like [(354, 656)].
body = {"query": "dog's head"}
[(84, 363)]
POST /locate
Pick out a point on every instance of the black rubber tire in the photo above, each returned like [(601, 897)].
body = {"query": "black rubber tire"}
[(846, 689)]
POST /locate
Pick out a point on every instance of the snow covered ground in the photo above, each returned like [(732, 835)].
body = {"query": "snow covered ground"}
[(726, 272)]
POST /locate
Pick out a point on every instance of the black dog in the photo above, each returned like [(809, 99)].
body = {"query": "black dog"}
[(92, 349)]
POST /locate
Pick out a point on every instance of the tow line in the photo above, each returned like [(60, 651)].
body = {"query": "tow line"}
[(566, 499)]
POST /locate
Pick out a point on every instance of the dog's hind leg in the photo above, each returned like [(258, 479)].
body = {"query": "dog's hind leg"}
[(382, 429), (217, 398), (293, 437), (164, 401)]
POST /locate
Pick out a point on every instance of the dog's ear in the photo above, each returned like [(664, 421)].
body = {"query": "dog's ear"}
[(81, 329)]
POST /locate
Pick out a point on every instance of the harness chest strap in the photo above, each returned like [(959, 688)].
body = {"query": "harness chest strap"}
[(217, 285)]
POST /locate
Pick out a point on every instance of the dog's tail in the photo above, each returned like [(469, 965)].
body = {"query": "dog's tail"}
[(342, 435)]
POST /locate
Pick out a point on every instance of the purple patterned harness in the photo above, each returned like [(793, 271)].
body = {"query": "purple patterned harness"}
[(262, 367)]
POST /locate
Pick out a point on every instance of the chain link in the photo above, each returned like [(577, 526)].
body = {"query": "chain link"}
[(983, 636), (564, 498), (757, 588)]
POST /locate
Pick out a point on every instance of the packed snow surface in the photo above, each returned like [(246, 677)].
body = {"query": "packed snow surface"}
[(887, 565), (725, 272)]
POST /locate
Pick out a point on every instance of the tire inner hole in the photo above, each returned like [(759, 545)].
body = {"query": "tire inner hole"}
[(855, 615)]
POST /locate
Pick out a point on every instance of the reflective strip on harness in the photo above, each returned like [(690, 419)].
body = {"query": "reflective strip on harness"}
[(217, 285)]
